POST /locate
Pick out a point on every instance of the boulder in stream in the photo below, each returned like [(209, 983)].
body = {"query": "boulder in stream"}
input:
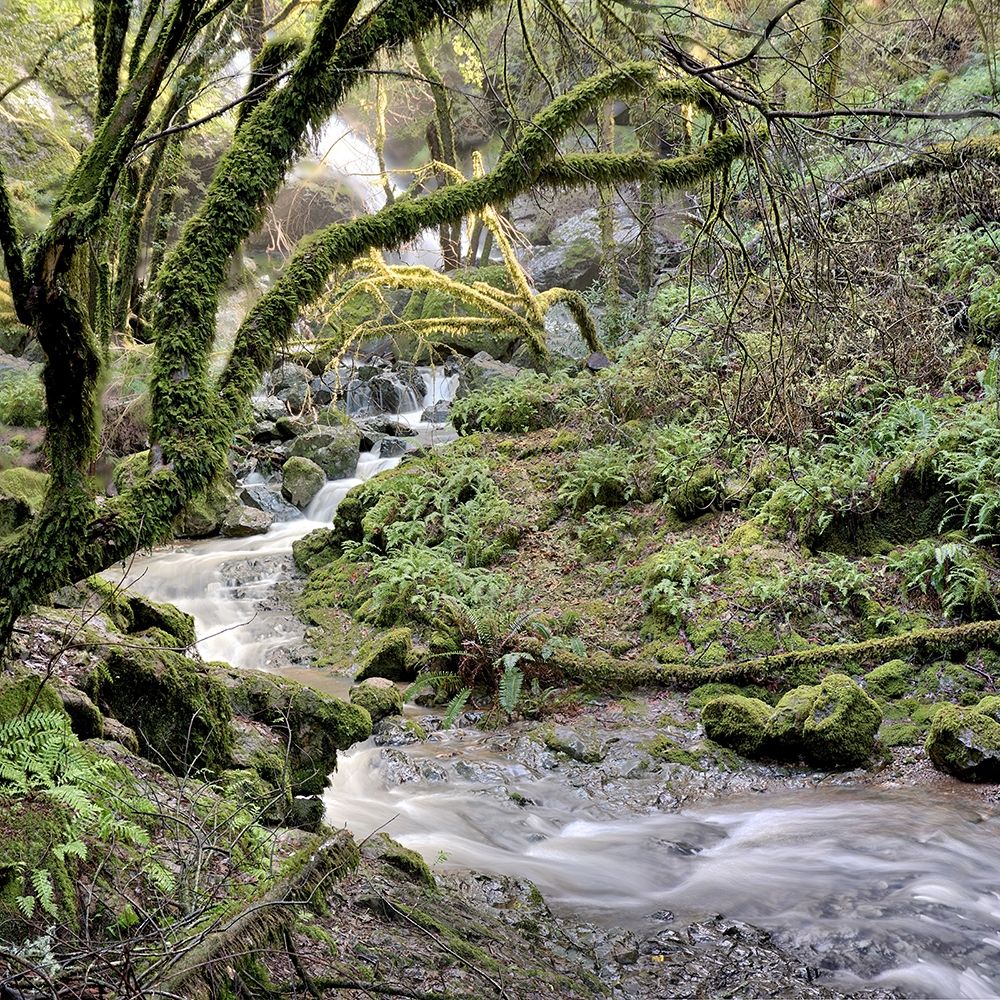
[(965, 742), (334, 449), (242, 521), (264, 498), (301, 480), (316, 725), (379, 696)]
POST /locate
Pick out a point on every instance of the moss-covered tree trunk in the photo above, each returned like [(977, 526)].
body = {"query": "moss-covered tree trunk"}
[(831, 37), (194, 418)]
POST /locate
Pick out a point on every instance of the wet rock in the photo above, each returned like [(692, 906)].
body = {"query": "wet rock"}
[(301, 480), (391, 447), (965, 742), (334, 449), (269, 408), (389, 655), (379, 696), (482, 369), (438, 413), (242, 522), (266, 499), (264, 432), (374, 429), (597, 361), (385, 392), (586, 748), (290, 384), (326, 388), (396, 731)]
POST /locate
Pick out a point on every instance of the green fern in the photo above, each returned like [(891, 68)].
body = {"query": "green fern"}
[(511, 685), (41, 882), (455, 708)]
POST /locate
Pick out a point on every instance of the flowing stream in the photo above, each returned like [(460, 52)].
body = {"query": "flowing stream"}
[(879, 885)]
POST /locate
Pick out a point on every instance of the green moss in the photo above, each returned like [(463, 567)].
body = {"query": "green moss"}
[(840, 729), (784, 733), (25, 484), (736, 722), (900, 734), (891, 680), (316, 549), (20, 691), (411, 864), (706, 692), (30, 828), (379, 700), (697, 495), (180, 712), (388, 654), (314, 725), (965, 742), (664, 749)]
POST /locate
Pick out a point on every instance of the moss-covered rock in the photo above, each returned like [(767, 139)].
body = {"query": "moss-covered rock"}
[(697, 495), (22, 691), (664, 749), (965, 742), (203, 516), (891, 680), (316, 725), (149, 614), (301, 480), (177, 707), (784, 731), (388, 654), (334, 449), (21, 494), (737, 722), (379, 696), (383, 848), (840, 728), (316, 549)]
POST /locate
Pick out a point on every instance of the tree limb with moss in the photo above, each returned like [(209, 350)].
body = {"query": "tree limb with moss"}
[(193, 419)]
